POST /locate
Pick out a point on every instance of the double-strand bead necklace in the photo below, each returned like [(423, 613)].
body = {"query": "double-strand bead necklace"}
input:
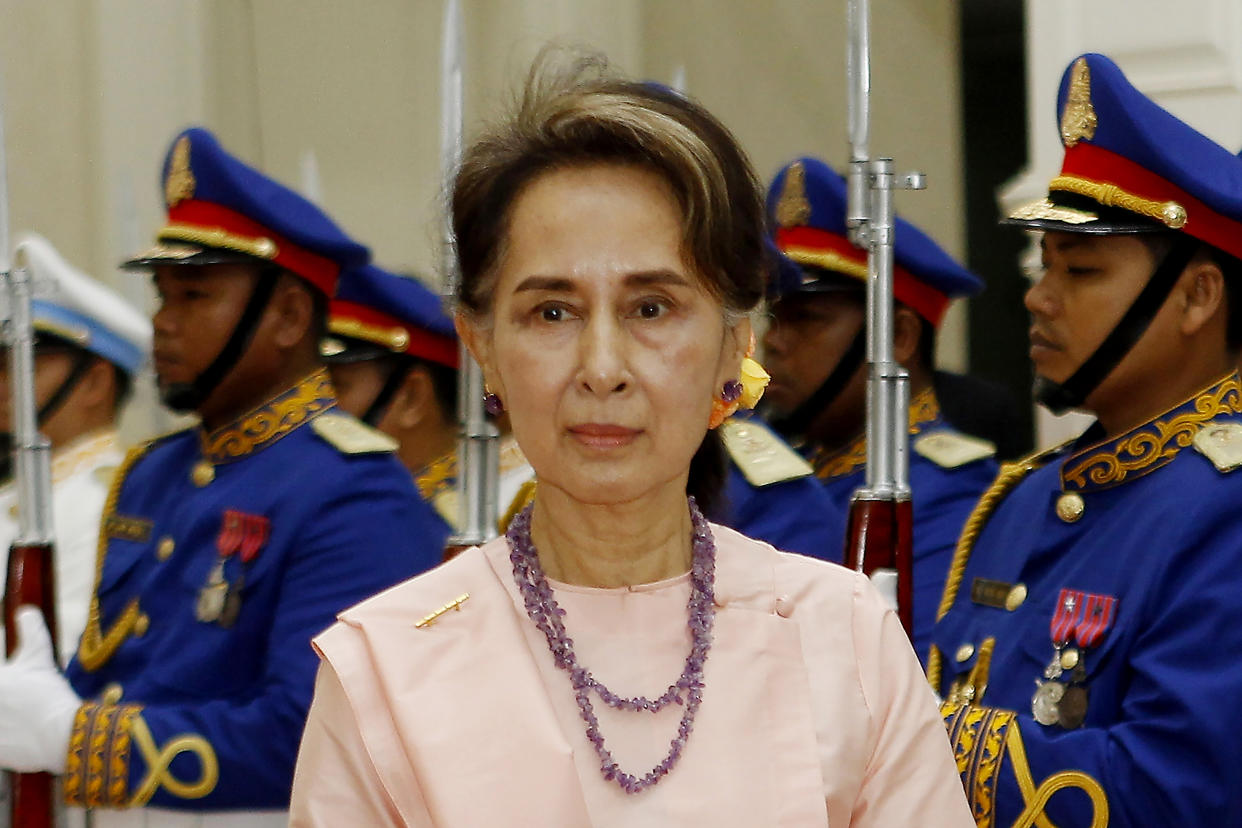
[(543, 610)]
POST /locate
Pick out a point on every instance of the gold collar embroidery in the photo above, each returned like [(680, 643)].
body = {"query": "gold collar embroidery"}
[(1152, 445), (271, 421), (924, 409), (437, 476)]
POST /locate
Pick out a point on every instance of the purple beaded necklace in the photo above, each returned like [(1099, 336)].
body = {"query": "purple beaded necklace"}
[(543, 610)]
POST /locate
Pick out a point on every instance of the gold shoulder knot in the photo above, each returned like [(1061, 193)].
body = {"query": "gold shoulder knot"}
[(351, 436), (949, 450), (1222, 444)]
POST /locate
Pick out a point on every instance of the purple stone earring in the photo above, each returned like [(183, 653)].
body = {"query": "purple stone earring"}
[(496, 406), (731, 391)]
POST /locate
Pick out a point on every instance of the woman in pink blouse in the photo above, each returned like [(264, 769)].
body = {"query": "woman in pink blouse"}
[(616, 660)]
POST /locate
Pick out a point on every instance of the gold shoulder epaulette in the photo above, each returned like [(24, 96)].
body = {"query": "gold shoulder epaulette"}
[(445, 504), (1221, 442), (351, 436), (763, 457), (949, 449)]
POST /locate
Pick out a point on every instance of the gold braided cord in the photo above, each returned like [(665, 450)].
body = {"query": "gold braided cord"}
[(159, 761), (260, 248), (1169, 213), (393, 338), (96, 648), (1009, 476), (1037, 799), (826, 259)]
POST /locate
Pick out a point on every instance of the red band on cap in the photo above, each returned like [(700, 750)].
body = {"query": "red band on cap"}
[(321, 272), (419, 342), (926, 301), (1097, 164)]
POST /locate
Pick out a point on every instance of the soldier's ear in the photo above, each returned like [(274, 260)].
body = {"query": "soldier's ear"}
[(1202, 287), (907, 331), (295, 312), (415, 399)]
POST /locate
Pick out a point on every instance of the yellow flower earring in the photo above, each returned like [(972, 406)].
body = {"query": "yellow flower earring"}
[(743, 392)]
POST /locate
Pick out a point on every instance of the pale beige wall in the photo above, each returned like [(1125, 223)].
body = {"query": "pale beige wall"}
[(94, 89), (775, 73)]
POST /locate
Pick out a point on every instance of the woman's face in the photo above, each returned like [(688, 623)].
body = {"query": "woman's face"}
[(603, 342)]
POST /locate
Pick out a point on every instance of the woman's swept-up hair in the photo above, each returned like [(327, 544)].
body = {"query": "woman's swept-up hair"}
[(574, 111)]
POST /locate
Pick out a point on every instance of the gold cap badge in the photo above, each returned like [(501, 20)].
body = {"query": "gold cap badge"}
[(792, 209), (1078, 118), (180, 182)]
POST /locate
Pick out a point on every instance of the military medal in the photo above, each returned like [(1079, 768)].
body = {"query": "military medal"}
[(1048, 693), (232, 603), (1072, 707), (211, 597), (1097, 617), (1044, 703), (219, 601), (1083, 618)]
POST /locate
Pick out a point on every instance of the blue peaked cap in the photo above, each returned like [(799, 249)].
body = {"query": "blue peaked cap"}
[(806, 205), (218, 204), (399, 314), (1131, 166)]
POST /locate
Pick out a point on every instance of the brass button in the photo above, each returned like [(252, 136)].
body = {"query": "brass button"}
[(1016, 597), (165, 548), (141, 624), (964, 652), (111, 694), (202, 473), (1070, 507), (1069, 659)]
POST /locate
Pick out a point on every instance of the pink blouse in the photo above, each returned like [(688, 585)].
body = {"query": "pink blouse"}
[(814, 712)]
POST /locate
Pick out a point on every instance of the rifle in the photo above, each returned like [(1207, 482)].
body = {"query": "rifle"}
[(478, 453), (879, 536), (31, 575)]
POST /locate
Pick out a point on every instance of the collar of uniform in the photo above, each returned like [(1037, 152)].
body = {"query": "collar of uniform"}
[(279, 416), (924, 410), (437, 475), (1151, 446)]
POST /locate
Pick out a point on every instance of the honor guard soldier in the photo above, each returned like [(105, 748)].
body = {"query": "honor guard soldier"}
[(392, 352), (771, 493), (1089, 632), (225, 547), (90, 344), (815, 347)]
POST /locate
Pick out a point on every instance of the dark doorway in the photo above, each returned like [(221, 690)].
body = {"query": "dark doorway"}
[(994, 144)]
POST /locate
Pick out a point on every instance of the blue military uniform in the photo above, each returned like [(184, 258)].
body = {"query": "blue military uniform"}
[(376, 314), (222, 553), (948, 470), (1087, 651), (771, 493)]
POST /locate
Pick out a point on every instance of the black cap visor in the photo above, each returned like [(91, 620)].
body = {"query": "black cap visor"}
[(1072, 213), (335, 349), (182, 253)]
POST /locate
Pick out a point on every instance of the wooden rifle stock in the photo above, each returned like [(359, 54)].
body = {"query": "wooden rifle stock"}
[(880, 536), (31, 580)]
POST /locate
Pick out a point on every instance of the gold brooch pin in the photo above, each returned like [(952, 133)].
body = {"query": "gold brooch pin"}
[(455, 604)]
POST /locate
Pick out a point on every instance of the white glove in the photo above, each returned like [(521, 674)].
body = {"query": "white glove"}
[(885, 583), (37, 705)]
